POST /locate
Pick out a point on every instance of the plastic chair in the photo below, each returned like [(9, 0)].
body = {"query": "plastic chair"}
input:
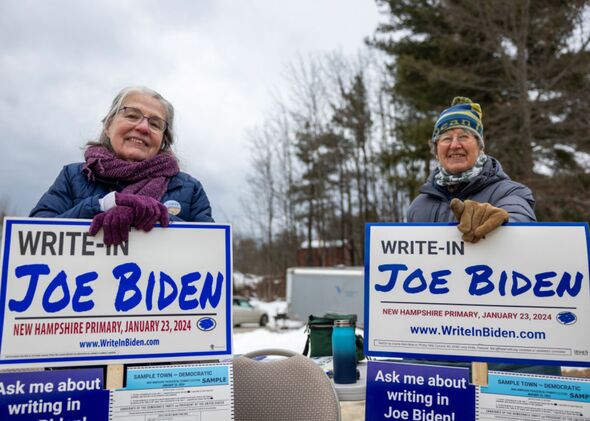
[(287, 389)]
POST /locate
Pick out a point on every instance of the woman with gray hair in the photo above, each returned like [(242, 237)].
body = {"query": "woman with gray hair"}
[(468, 185), (130, 177)]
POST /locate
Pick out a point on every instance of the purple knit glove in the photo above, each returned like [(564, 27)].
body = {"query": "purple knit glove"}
[(146, 210), (115, 223)]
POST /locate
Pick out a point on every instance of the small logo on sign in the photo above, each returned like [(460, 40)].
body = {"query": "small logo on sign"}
[(206, 324), (567, 318), (173, 207)]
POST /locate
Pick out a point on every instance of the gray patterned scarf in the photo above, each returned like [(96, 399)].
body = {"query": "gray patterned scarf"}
[(445, 178)]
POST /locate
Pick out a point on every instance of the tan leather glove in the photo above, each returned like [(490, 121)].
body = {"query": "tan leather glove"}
[(476, 220)]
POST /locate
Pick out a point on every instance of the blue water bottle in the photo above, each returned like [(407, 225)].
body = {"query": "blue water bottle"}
[(344, 352)]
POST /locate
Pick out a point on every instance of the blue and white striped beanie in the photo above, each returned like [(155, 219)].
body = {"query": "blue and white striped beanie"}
[(463, 113)]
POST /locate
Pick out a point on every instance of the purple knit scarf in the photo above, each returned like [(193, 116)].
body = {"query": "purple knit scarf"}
[(146, 178)]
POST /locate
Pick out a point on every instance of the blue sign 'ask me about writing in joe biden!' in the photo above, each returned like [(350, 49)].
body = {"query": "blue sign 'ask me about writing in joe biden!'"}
[(397, 391), (62, 395)]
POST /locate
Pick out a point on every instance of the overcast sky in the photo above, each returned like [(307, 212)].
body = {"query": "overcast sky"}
[(218, 61)]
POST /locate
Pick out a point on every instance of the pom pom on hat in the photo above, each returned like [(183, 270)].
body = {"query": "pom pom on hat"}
[(463, 113), (461, 100)]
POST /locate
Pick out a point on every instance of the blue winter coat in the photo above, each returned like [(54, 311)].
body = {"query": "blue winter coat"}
[(72, 195), (491, 185)]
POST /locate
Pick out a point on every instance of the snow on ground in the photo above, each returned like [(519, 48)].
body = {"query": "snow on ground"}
[(293, 338), (245, 279)]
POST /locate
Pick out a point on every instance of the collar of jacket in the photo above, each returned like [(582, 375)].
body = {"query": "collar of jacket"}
[(174, 183)]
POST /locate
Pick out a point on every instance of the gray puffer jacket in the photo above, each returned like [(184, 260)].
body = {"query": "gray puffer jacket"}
[(492, 185)]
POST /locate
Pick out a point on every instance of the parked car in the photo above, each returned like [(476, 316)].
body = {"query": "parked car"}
[(245, 312)]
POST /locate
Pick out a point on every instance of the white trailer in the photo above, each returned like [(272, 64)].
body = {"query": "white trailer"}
[(320, 290)]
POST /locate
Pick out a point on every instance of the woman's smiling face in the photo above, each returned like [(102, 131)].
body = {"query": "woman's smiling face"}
[(136, 141), (457, 150)]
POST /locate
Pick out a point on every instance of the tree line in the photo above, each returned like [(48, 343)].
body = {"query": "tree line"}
[(348, 142)]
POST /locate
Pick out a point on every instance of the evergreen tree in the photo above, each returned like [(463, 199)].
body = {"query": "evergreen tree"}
[(526, 63)]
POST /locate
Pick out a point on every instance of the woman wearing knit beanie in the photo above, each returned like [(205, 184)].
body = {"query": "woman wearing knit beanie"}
[(467, 185), (130, 177), (470, 187)]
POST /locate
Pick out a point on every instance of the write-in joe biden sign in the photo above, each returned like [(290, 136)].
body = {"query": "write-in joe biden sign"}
[(65, 296), (521, 294)]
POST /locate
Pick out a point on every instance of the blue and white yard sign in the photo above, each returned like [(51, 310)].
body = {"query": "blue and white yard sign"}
[(519, 295), (60, 395), (67, 298), (397, 391)]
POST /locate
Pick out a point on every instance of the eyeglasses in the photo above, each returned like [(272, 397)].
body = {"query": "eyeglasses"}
[(135, 116), (461, 137)]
